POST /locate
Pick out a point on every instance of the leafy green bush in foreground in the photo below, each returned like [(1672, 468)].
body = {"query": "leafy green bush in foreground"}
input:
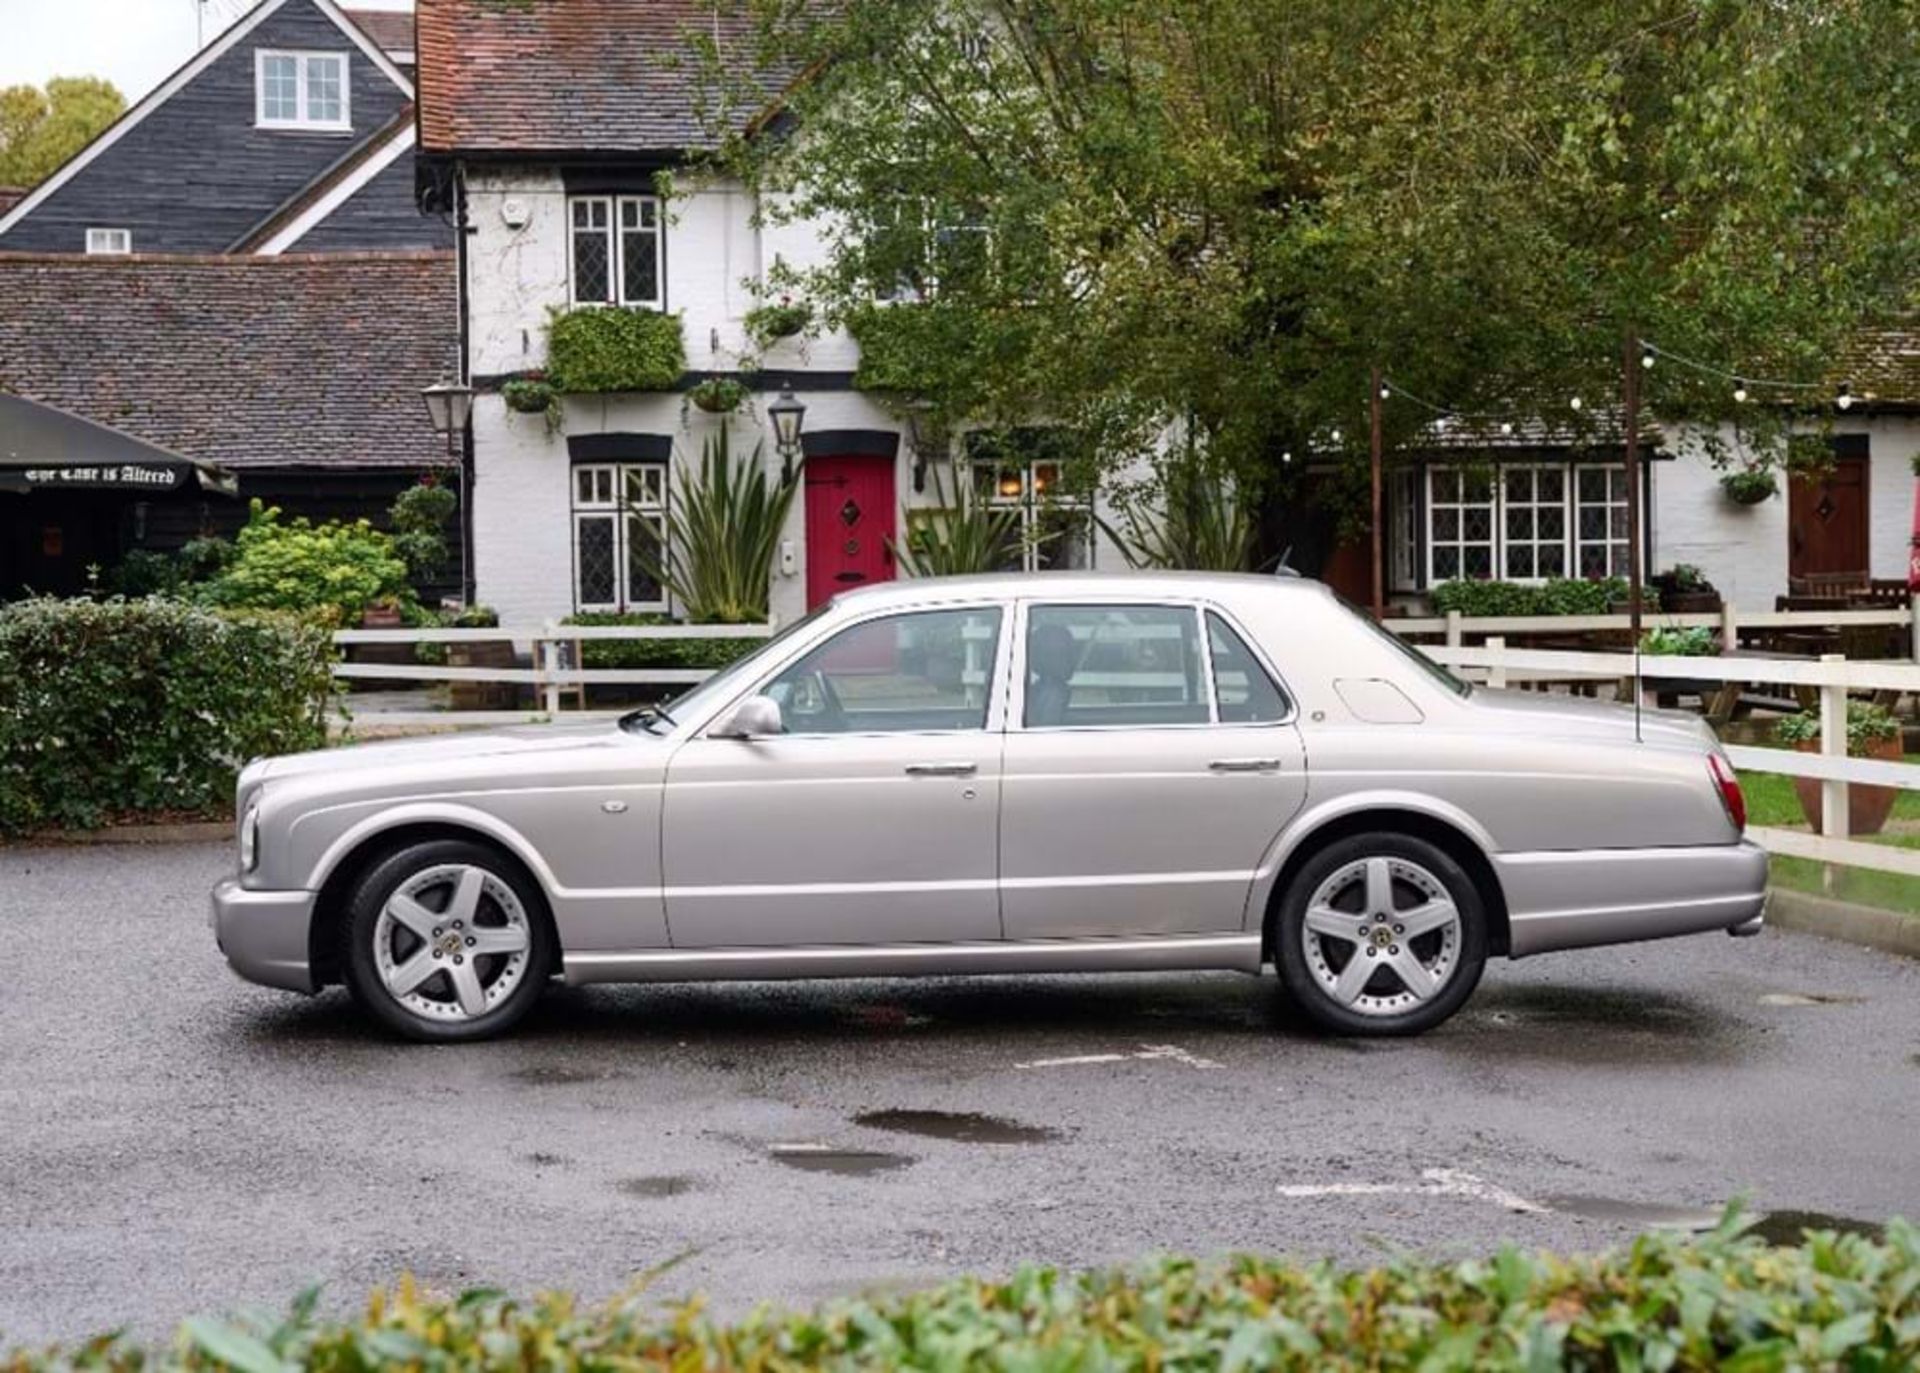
[(1666, 1303)]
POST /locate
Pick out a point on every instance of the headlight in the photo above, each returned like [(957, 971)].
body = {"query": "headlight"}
[(250, 839)]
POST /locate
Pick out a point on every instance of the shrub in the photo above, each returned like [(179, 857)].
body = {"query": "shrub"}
[(1666, 1302), (419, 518), (306, 567), (469, 617), (1556, 596), (117, 706), (705, 654), (1697, 642), (601, 348), (1867, 724), (142, 572)]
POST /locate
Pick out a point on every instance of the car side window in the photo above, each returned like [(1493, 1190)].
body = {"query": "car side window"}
[(1245, 693), (1113, 665), (925, 670)]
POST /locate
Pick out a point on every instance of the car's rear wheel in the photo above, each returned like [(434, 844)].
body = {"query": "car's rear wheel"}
[(447, 941), (1381, 934)]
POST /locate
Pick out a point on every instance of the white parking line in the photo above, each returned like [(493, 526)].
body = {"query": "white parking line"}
[(1438, 1182), (1172, 1053)]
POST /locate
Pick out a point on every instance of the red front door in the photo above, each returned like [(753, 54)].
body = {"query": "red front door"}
[(850, 517)]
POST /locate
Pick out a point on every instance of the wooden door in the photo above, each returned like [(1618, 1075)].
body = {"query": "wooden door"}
[(850, 518), (1827, 520)]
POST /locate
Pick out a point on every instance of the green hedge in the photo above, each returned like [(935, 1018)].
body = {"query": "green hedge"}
[(111, 708), (1555, 596), (606, 348), (1666, 1303), (645, 653)]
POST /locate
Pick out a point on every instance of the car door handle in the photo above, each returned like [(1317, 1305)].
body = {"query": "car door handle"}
[(1244, 765), (942, 769)]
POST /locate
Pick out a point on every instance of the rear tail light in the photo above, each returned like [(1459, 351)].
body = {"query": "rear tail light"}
[(1729, 785)]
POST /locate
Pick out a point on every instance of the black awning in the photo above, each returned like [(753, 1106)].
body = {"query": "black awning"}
[(44, 448)]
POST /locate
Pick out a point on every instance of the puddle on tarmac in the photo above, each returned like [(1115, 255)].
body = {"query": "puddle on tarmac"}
[(1775, 1227), (664, 1186), (1809, 999), (1784, 1227), (557, 1075), (964, 1128), (824, 1158), (1646, 1214)]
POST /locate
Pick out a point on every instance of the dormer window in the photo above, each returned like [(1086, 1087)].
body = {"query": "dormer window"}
[(301, 90)]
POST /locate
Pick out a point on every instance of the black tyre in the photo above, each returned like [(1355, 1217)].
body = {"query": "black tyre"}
[(446, 941), (1380, 934)]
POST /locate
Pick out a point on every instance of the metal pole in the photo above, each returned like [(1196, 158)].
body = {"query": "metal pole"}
[(1631, 395), (1379, 575)]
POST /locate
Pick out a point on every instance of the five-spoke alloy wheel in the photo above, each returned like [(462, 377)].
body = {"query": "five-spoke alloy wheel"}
[(1380, 934), (446, 941)]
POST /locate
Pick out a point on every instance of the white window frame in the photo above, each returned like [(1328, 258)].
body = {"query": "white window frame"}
[(100, 242), (616, 243), (1618, 546), (1033, 503), (1536, 543), (302, 61), (609, 500), (1571, 543), (1460, 541)]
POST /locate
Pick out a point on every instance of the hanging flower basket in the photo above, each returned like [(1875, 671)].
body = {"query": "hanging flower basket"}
[(528, 396), (1750, 486), (719, 395)]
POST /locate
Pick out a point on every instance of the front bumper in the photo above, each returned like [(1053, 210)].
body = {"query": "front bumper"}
[(264, 934), (1579, 898)]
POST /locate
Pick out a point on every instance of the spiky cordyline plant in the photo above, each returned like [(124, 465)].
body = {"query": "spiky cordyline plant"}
[(1198, 520), (957, 538), (723, 531)]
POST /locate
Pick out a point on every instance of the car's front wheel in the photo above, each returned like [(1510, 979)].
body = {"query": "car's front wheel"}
[(1381, 934), (446, 941)]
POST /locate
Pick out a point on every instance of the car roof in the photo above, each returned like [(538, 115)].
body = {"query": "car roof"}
[(1059, 585)]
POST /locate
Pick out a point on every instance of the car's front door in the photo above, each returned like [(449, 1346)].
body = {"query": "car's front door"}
[(1151, 761), (871, 820)]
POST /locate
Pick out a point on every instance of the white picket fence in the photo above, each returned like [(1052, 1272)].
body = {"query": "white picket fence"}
[(1727, 621)]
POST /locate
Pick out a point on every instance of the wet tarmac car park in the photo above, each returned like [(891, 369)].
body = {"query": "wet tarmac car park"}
[(174, 1141)]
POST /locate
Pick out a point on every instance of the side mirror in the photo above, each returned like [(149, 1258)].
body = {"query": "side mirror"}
[(752, 718)]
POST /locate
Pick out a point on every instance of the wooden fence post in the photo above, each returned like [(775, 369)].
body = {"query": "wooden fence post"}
[(1729, 629), (1833, 744), (549, 659), (1453, 629), (1497, 669)]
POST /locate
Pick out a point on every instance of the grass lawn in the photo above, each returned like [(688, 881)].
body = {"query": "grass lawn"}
[(1771, 801)]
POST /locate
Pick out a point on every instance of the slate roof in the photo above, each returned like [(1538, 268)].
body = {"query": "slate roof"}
[(390, 30), (305, 360), (590, 76)]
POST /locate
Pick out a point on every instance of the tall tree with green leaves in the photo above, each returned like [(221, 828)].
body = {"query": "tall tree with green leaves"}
[(1135, 214), (40, 129)]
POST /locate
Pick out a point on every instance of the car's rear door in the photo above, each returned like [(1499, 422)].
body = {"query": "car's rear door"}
[(1151, 761), (872, 819)]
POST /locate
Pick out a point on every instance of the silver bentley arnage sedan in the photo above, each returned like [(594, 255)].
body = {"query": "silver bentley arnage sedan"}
[(1063, 772)]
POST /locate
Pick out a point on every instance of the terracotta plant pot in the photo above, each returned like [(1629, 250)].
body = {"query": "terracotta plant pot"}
[(380, 617), (1867, 806)]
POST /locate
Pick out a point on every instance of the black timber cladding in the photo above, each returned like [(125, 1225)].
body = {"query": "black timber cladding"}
[(381, 214), (195, 174)]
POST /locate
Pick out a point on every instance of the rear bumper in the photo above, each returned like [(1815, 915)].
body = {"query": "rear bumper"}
[(1579, 898), (264, 934)]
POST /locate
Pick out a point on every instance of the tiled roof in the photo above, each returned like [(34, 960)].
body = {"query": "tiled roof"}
[(390, 30), (11, 196), (568, 75), (303, 360), (1882, 367)]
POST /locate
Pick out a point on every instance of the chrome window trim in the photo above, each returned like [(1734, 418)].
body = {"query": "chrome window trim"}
[(1017, 677)]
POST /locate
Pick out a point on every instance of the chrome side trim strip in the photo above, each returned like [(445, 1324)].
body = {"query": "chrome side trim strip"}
[(1180, 952), (958, 884)]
